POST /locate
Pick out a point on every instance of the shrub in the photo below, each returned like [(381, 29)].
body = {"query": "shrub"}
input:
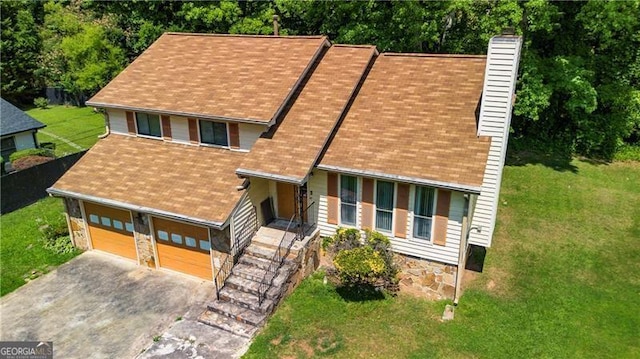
[(358, 263), (56, 237), (31, 152), (41, 102), (628, 153)]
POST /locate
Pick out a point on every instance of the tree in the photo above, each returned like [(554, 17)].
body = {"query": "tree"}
[(20, 42)]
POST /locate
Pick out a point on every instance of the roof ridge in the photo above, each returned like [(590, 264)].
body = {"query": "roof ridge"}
[(407, 54), (353, 45), (244, 35)]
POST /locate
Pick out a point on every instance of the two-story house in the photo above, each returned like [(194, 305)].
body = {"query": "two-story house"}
[(213, 136)]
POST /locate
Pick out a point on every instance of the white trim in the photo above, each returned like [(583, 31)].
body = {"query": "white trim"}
[(375, 208), (226, 125), (340, 223), (138, 134), (411, 236)]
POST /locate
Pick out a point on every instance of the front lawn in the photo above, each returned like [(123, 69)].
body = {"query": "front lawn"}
[(562, 280), (79, 125), (22, 255)]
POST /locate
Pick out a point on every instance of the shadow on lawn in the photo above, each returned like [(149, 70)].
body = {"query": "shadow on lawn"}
[(522, 152), (360, 293)]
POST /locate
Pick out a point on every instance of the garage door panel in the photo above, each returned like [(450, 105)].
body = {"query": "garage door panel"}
[(182, 260), (111, 230), (179, 248)]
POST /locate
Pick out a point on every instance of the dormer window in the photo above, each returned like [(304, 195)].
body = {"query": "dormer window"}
[(148, 124), (214, 133)]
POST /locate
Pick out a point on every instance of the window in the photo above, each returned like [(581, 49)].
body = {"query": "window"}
[(94, 219), (384, 205), (423, 212), (148, 124), (163, 236), (348, 193), (8, 147), (205, 245), (105, 221), (213, 133), (176, 238), (128, 227), (118, 225), (190, 241)]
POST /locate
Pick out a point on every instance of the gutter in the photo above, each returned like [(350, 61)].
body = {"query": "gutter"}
[(198, 221), (407, 179), (177, 113)]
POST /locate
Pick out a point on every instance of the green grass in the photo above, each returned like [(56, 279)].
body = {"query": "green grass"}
[(80, 125), (562, 280), (22, 255)]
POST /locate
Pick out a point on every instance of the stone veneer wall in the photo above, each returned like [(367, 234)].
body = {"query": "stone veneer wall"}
[(434, 280), (308, 259), (144, 242), (220, 250), (78, 230)]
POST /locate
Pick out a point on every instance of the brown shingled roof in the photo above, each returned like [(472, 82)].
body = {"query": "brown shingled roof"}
[(297, 143), (196, 183), (216, 76), (415, 117)]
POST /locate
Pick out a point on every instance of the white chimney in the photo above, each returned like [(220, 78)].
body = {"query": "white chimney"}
[(503, 57)]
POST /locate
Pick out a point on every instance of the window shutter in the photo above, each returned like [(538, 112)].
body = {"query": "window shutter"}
[(441, 217), (193, 130), (332, 198), (402, 207), (131, 125), (234, 134), (166, 127), (367, 203)]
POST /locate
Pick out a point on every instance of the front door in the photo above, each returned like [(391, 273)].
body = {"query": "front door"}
[(286, 200)]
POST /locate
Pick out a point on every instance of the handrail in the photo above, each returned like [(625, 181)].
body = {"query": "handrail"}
[(248, 229), (278, 258)]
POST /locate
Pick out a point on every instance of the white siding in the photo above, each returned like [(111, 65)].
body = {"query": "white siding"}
[(242, 213), (448, 253), (495, 119), (24, 140), (258, 192), (118, 121), (249, 134), (179, 129)]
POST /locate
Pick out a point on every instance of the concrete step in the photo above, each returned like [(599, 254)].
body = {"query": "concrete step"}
[(253, 273), (262, 251), (247, 300), (253, 287), (238, 312), (251, 260), (227, 323)]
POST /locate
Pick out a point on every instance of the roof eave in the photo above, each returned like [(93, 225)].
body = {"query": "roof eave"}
[(407, 179), (243, 172), (64, 193), (177, 113)]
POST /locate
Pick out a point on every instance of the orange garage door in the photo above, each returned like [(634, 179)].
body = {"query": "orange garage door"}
[(183, 247), (111, 230)]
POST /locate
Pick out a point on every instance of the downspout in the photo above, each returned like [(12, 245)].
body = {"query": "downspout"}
[(462, 253), (106, 124)]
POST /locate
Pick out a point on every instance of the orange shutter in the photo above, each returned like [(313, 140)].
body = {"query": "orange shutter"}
[(441, 217), (402, 207), (131, 125), (332, 198), (166, 127), (367, 203), (234, 134), (193, 130)]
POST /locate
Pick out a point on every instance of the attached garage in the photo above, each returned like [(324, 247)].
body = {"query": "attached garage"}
[(111, 230), (183, 247)]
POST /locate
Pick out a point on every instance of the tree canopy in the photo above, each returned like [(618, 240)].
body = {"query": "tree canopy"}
[(579, 81)]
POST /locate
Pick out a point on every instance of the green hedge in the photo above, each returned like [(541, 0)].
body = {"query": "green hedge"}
[(31, 152)]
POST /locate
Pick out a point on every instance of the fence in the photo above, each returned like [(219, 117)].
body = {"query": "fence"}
[(24, 187)]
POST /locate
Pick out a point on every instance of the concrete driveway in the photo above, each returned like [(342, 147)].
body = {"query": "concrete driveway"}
[(99, 306)]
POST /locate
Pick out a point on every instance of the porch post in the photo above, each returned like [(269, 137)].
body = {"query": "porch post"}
[(300, 210)]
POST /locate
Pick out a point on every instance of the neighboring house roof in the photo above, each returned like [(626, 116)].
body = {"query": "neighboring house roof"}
[(196, 184), (414, 120), (236, 77), (14, 120), (298, 141)]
